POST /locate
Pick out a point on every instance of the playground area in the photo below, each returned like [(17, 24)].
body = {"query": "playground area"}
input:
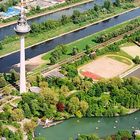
[(103, 67)]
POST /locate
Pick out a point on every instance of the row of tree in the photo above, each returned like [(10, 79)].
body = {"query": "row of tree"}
[(76, 18), (10, 135), (107, 36), (4, 6), (120, 135), (7, 78), (104, 98)]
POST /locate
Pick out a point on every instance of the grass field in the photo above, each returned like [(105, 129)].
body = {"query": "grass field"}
[(132, 50)]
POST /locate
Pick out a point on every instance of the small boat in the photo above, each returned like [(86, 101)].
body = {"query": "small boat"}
[(97, 128), (114, 126)]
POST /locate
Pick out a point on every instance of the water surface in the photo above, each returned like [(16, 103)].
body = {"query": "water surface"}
[(106, 126)]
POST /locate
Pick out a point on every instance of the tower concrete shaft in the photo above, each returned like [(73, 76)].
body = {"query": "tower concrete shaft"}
[(22, 65)]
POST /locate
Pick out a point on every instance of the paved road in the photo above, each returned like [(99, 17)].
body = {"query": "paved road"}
[(135, 73)]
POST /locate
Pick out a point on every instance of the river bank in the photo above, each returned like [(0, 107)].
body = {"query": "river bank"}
[(47, 12), (51, 123), (106, 126), (41, 40)]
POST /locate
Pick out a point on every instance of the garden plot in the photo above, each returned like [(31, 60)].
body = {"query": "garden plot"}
[(132, 50), (103, 67)]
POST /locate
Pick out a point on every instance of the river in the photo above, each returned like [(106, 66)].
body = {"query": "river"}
[(9, 30), (7, 62), (106, 126)]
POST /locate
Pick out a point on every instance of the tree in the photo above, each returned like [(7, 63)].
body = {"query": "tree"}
[(14, 76), (32, 80), (108, 138), (38, 8), (3, 8), (63, 49), (64, 90), (2, 82), (78, 114), (94, 137), (88, 47), (50, 96), (7, 90), (17, 115), (60, 106), (84, 107), (76, 14), (71, 70), (29, 126), (1, 46), (27, 111), (39, 138), (77, 81), (96, 7), (43, 84), (74, 51), (35, 107), (52, 60), (73, 105), (64, 19), (107, 4), (125, 134), (85, 85), (7, 108), (136, 60), (117, 3)]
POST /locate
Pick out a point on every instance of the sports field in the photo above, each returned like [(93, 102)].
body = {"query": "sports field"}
[(132, 50), (103, 67)]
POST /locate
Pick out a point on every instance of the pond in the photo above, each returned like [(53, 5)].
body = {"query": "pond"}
[(102, 126)]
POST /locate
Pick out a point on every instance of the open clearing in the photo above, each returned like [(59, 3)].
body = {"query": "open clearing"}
[(32, 63), (103, 67), (132, 50)]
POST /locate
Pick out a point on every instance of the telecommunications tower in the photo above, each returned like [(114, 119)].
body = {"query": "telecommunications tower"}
[(22, 28)]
